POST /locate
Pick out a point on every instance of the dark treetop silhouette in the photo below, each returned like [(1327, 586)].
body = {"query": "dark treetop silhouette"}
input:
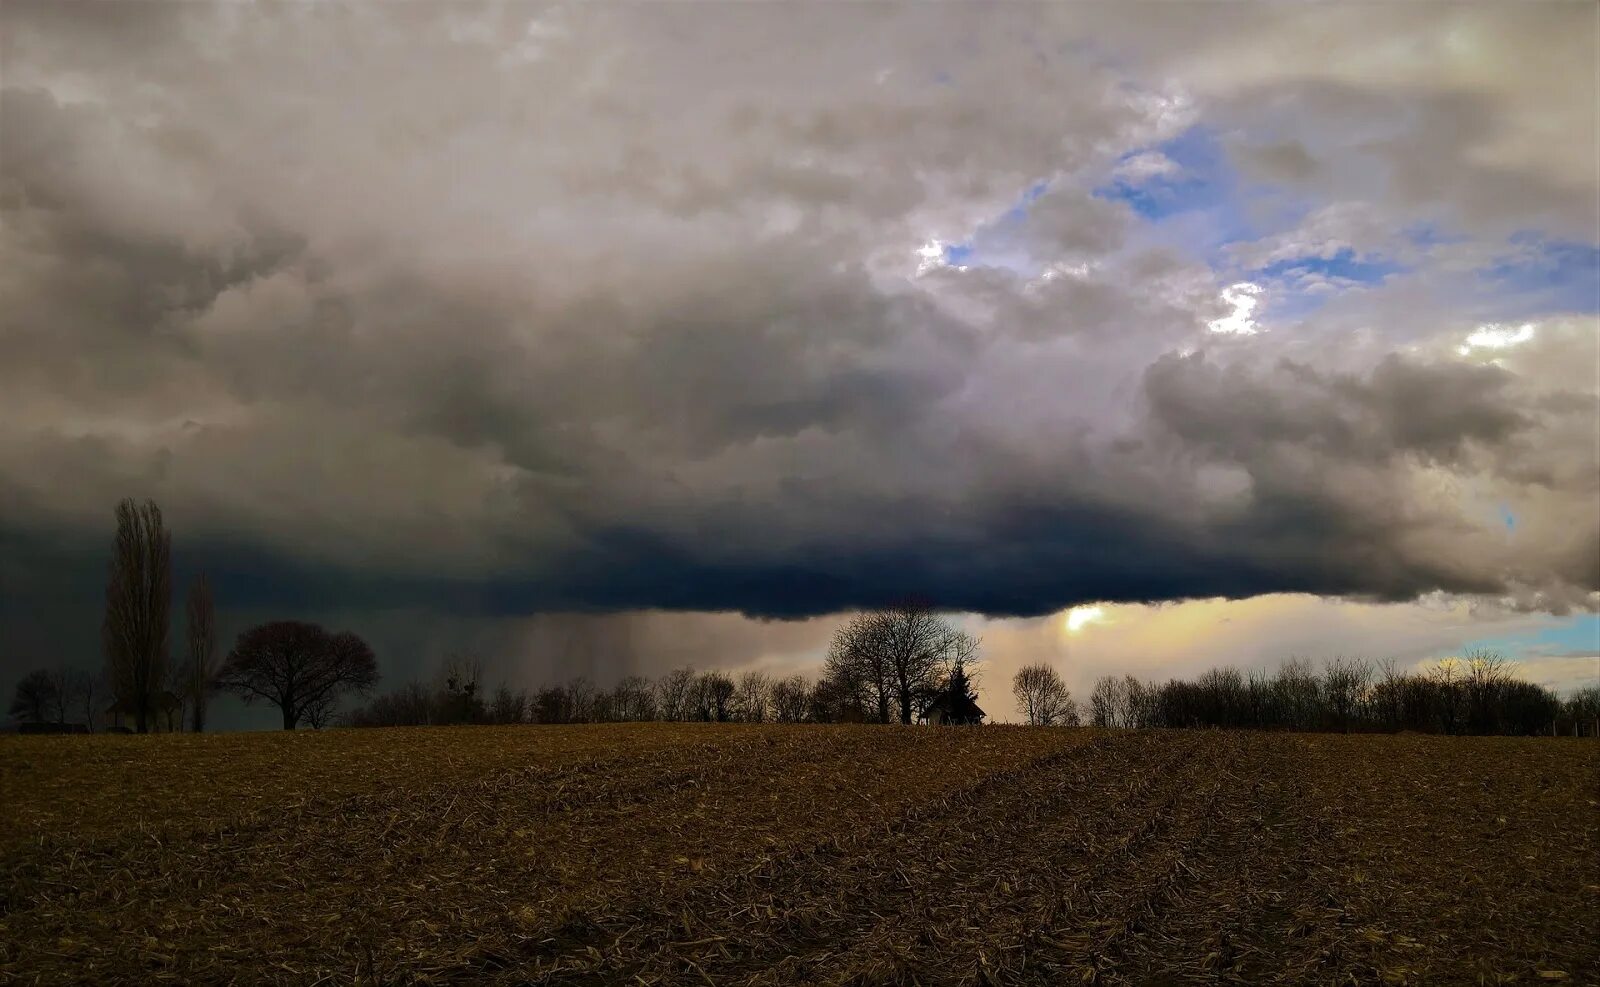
[(297, 667)]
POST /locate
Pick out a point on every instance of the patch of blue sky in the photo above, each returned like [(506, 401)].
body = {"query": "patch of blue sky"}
[(1344, 265), (1204, 180), (1200, 208), (1575, 634), (1539, 276), (1297, 286), (957, 254)]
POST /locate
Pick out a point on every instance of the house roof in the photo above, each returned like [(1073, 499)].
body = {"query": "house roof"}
[(945, 703)]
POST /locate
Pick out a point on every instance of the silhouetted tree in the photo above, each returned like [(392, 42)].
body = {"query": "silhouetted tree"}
[(37, 698), (714, 693), (410, 705), (507, 706), (900, 654), (1042, 697), (460, 688), (633, 699), (296, 665), (1582, 710), (1299, 694), (201, 670), (550, 705), (1106, 702), (1387, 698), (1344, 686), (78, 689), (319, 712), (675, 694), (1141, 703), (580, 700), (858, 661), (138, 602), (955, 701), (790, 698), (1485, 677), (835, 700), (753, 697), (1445, 677)]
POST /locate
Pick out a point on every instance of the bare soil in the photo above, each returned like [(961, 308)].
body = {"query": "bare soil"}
[(688, 854)]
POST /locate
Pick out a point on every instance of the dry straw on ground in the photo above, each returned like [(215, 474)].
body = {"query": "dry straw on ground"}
[(661, 854)]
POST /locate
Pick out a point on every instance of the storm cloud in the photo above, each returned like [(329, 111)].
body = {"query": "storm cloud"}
[(512, 309)]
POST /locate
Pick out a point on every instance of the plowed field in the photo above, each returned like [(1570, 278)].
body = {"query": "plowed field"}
[(658, 854)]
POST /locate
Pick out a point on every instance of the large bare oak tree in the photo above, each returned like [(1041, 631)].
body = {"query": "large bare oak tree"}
[(298, 667), (897, 657)]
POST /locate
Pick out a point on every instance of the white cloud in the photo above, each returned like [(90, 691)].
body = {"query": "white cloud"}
[(1496, 337), (1144, 166), (1243, 297)]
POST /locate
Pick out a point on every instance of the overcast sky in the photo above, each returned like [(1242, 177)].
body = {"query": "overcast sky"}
[(446, 323)]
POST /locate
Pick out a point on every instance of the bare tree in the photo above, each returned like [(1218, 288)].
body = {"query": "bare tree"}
[(1583, 709), (1299, 694), (173, 701), (1487, 675), (753, 697), (1390, 692), (78, 689), (550, 705), (713, 697), (790, 697), (62, 681), (1344, 687), (675, 694), (1140, 701), (1106, 702), (580, 700), (923, 649), (202, 639), (319, 712), (138, 603), (858, 659), (633, 699), (508, 706), (1446, 679), (901, 654), (1042, 697), (296, 666), (37, 698)]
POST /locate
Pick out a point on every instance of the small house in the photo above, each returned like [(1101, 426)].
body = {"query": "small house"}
[(953, 710)]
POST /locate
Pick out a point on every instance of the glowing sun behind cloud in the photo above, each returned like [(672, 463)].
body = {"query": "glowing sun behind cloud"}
[(1080, 617)]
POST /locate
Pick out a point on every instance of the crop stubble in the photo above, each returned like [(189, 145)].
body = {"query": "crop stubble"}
[(772, 855)]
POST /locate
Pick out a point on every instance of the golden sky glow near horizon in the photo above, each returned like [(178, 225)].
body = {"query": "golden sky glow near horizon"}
[(1161, 641)]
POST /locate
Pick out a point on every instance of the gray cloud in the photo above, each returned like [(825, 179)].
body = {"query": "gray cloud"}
[(495, 311)]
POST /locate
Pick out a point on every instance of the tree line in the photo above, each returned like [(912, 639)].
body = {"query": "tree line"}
[(301, 668), (883, 666), (1478, 693)]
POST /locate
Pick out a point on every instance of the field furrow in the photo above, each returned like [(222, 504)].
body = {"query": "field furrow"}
[(769, 855)]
